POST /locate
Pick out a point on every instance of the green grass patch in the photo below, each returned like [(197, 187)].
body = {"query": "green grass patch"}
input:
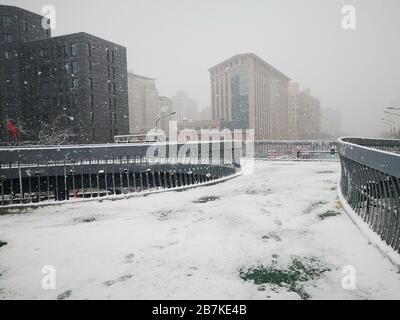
[(64, 295), (206, 199), (328, 214), (314, 206), (300, 270), (85, 220)]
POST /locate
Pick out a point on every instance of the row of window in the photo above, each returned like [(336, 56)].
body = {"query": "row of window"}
[(66, 50), (7, 21), (7, 38), (112, 118)]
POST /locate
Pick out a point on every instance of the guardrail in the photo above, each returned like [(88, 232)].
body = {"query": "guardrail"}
[(296, 150), (370, 183), (42, 175)]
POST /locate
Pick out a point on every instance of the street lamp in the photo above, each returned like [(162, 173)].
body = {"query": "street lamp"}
[(164, 116)]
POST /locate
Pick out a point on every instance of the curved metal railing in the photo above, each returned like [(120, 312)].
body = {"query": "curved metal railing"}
[(45, 175), (370, 183), (295, 149)]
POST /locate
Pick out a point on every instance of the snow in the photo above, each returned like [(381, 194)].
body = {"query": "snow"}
[(165, 246)]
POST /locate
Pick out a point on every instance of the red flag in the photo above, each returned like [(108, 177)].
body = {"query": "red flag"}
[(12, 129)]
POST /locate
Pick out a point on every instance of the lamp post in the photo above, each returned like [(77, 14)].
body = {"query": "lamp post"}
[(164, 116)]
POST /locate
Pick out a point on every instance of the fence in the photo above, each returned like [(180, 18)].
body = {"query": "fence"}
[(299, 150), (370, 183), (38, 175)]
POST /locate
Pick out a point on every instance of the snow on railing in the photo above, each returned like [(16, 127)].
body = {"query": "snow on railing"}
[(370, 184), (56, 174)]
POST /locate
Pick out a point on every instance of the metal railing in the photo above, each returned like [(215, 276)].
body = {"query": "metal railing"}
[(370, 183), (42, 175), (296, 150)]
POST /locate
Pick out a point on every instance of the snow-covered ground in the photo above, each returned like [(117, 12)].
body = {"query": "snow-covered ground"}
[(169, 246)]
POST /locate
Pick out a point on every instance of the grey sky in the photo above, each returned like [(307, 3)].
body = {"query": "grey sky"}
[(177, 41)]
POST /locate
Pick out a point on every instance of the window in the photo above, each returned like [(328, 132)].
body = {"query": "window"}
[(66, 53), (25, 25), (43, 53), (92, 101), (75, 67), (89, 49), (108, 54), (74, 49), (108, 72), (112, 57), (113, 73), (68, 68), (7, 55), (75, 83), (109, 87), (92, 117), (90, 83), (114, 90), (90, 67), (8, 38), (6, 21)]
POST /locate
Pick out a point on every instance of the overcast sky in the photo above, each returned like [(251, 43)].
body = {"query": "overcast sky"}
[(177, 41)]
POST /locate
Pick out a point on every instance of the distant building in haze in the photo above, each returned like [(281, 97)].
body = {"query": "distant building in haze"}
[(185, 107), (331, 123), (248, 93), (144, 107)]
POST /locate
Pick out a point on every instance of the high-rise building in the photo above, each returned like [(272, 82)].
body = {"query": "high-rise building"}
[(308, 116), (331, 123), (17, 26), (144, 107), (185, 107), (76, 82), (248, 93), (204, 115), (294, 91)]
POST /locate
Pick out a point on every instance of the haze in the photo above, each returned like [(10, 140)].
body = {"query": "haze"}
[(176, 41)]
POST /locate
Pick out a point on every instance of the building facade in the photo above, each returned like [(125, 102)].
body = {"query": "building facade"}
[(185, 107), (76, 82), (144, 107), (17, 26), (308, 116), (248, 93), (331, 120), (294, 91)]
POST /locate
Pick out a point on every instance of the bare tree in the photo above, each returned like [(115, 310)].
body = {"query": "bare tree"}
[(56, 132)]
